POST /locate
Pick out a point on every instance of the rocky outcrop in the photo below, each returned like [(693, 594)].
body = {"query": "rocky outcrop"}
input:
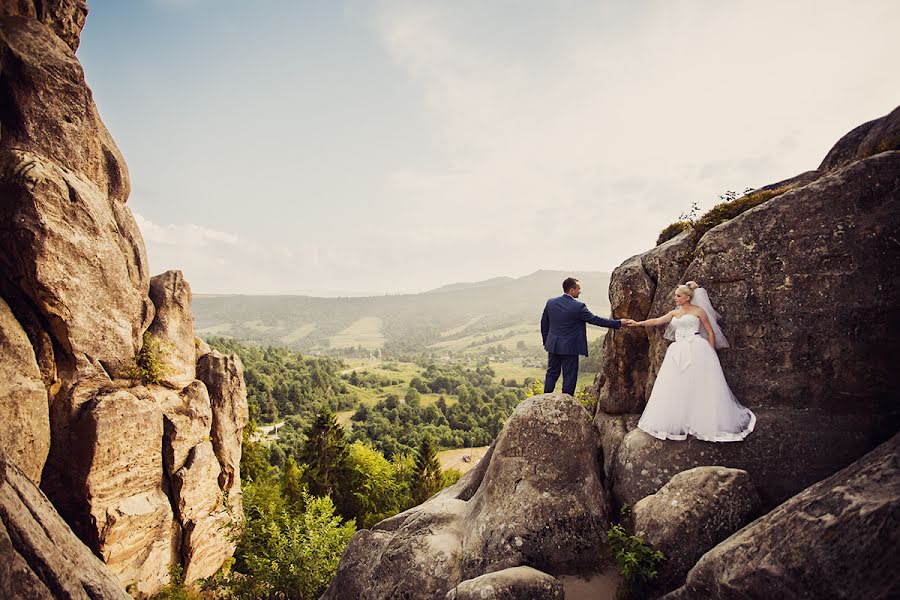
[(40, 557), (693, 512), (24, 414), (224, 378), (837, 539), (534, 500), (515, 583), (134, 469), (173, 325), (808, 286)]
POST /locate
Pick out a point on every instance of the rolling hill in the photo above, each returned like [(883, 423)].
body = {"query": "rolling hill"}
[(456, 318)]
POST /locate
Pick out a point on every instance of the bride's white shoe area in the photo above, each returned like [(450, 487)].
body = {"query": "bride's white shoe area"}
[(691, 396)]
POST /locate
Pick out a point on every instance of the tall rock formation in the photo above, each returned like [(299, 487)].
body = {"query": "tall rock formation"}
[(141, 470), (809, 286)]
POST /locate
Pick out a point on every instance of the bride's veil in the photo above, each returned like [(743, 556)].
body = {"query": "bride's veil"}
[(701, 300)]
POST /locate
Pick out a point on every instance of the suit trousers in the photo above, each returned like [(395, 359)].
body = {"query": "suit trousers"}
[(568, 364)]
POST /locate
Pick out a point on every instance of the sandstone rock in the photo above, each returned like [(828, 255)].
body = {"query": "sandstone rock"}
[(64, 17), (693, 512), (535, 499), (516, 583), (24, 411), (837, 539), (174, 326), (187, 419), (224, 378), (201, 347), (538, 504), (789, 450), (116, 496), (612, 430), (69, 244), (40, 557), (204, 520)]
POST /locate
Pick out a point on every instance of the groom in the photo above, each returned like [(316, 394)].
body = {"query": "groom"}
[(565, 335)]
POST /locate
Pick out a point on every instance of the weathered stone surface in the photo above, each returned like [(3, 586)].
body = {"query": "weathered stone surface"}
[(201, 347), (839, 538), (515, 583), (789, 450), (535, 499), (68, 242), (224, 378), (65, 17), (187, 420), (620, 386), (205, 522), (879, 135), (612, 430), (693, 512), (24, 412), (536, 505), (174, 326), (40, 557)]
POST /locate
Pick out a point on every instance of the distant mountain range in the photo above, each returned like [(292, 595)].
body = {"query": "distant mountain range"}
[(459, 317)]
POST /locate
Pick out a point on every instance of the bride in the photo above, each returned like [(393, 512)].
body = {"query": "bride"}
[(690, 395)]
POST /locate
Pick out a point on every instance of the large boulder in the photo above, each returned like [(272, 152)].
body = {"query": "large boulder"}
[(224, 378), (535, 499), (40, 557), (809, 286), (515, 583), (839, 538), (24, 411), (693, 512), (173, 326)]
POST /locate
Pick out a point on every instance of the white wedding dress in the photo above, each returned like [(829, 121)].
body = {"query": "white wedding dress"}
[(691, 396)]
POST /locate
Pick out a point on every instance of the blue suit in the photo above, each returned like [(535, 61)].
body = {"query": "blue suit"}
[(565, 338)]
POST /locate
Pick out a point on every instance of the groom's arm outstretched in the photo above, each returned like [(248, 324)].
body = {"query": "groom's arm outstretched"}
[(589, 317)]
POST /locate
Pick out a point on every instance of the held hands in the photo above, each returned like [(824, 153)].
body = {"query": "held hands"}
[(629, 322)]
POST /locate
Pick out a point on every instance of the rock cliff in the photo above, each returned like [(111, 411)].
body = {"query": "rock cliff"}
[(146, 473), (809, 286)]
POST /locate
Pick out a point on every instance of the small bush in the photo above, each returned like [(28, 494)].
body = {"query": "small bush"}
[(672, 230), (637, 561), (150, 364), (734, 205)]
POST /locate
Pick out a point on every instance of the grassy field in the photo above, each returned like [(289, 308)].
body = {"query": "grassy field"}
[(397, 370), (365, 332), (298, 333), (453, 459)]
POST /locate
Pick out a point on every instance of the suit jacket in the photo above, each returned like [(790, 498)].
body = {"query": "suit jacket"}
[(563, 325)]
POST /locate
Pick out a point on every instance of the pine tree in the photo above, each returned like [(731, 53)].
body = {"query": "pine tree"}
[(427, 476), (325, 455)]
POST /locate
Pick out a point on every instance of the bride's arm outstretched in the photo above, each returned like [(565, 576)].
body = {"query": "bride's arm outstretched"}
[(657, 321)]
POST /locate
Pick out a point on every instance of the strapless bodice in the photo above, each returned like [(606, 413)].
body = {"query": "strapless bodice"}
[(686, 327)]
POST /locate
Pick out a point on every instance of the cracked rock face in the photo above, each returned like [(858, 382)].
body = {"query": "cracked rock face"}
[(693, 512), (535, 499), (40, 557), (515, 583), (836, 539), (173, 325)]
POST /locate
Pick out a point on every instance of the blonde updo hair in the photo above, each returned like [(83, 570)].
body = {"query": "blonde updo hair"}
[(687, 289)]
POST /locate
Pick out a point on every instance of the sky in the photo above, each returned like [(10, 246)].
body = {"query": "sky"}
[(347, 147)]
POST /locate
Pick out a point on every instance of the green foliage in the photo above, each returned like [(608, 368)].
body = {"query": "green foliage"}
[(283, 383), (325, 455), (536, 389), (427, 479), (374, 491), (671, 230), (176, 589), (150, 364), (587, 399), (732, 205), (637, 561), (393, 426), (284, 550)]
